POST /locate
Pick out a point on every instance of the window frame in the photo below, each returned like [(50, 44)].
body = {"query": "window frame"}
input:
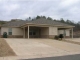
[(10, 31)]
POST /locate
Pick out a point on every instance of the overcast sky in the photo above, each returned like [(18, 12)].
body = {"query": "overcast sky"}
[(67, 9)]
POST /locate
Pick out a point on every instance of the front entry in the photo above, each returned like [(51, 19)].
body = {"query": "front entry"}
[(34, 32), (37, 32)]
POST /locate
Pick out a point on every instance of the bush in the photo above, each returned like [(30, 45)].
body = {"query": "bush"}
[(61, 36), (56, 37), (5, 35)]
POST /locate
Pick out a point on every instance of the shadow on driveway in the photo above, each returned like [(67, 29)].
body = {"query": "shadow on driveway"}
[(68, 57)]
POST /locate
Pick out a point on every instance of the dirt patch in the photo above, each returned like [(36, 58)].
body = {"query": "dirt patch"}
[(5, 49), (71, 42)]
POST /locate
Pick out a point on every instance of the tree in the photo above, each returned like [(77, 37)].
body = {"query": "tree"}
[(67, 21), (38, 17), (2, 22), (55, 20), (43, 17), (29, 18), (49, 18), (62, 20), (78, 23)]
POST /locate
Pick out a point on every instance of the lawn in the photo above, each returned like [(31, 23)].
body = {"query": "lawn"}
[(5, 49)]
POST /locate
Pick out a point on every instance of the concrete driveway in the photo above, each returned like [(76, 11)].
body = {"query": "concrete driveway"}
[(37, 48)]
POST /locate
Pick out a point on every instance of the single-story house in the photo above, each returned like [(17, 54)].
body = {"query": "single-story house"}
[(38, 28)]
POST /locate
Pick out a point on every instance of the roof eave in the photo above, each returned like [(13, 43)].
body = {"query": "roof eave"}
[(45, 25), (10, 26)]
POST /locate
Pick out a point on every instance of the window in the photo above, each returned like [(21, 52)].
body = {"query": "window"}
[(10, 31), (64, 33), (32, 32)]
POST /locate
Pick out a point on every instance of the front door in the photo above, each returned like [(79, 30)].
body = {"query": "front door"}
[(32, 33)]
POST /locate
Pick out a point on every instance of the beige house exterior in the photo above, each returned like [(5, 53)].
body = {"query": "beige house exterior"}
[(40, 28)]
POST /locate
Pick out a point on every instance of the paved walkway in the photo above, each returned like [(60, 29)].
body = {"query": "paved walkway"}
[(37, 48)]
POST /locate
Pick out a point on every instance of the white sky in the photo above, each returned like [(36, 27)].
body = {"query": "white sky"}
[(67, 9)]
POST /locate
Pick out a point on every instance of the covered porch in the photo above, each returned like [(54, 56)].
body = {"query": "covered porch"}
[(43, 31), (36, 32)]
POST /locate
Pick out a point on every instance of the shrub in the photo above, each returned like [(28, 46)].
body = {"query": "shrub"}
[(5, 35), (61, 36), (56, 37)]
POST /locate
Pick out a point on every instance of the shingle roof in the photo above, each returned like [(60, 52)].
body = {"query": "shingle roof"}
[(48, 22), (15, 23), (37, 21)]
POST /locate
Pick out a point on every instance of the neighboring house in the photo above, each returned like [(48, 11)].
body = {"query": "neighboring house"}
[(39, 28)]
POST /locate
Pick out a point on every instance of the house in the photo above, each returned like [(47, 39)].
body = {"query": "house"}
[(39, 28)]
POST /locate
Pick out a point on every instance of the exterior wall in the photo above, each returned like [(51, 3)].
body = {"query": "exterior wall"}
[(16, 32), (67, 31), (15, 36), (60, 31), (4, 29), (44, 32), (53, 31)]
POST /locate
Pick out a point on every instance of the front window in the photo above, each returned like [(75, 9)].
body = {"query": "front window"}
[(32, 32), (10, 31)]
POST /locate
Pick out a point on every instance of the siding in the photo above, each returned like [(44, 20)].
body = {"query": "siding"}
[(62, 32), (15, 31), (53, 31), (4, 29), (44, 31), (67, 32)]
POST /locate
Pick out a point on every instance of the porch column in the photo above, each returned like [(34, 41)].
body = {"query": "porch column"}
[(72, 32), (64, 33), (28, 31), (24, 32)]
